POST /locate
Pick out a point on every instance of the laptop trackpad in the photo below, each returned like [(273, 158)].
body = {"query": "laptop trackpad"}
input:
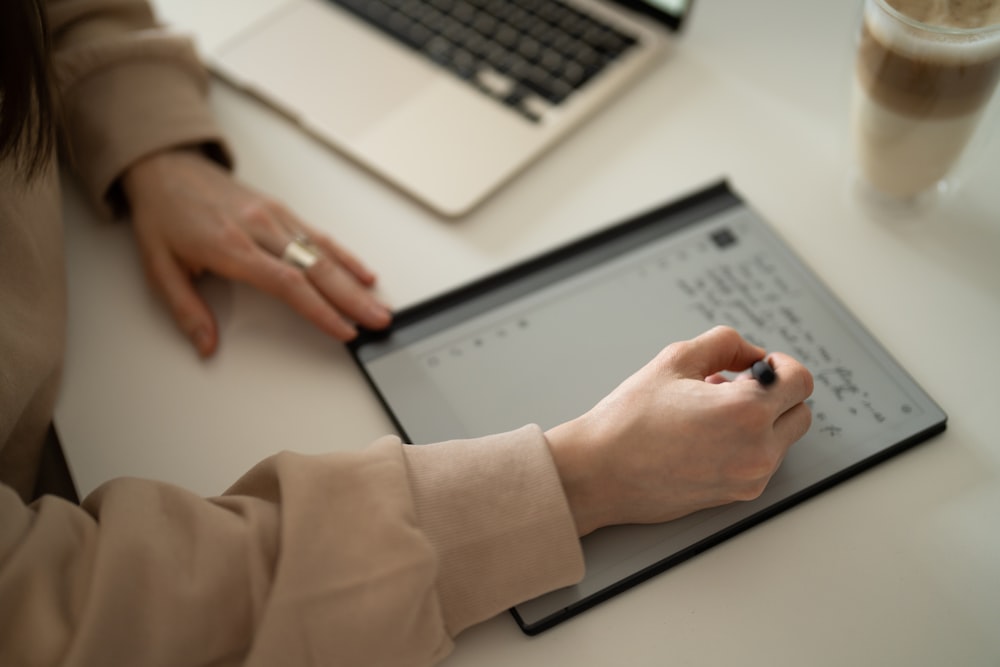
[(311, 60)]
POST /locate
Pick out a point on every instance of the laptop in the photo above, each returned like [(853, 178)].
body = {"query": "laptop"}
[(445, 99)]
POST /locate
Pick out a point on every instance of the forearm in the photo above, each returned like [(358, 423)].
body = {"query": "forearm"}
[(143, 574), (495, 512), (375, 557), (128, 89)]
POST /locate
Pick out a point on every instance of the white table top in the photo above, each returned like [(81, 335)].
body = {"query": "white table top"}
[(895, 567)]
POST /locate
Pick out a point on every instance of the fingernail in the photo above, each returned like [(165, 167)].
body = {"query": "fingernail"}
[(202, 340), (379, 313)]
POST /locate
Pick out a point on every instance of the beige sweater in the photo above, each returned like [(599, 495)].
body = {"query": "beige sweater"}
[(378, 557)]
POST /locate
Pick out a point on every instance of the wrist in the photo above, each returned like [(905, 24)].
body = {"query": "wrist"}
[(153, 170), (580, 474), (151, 163)]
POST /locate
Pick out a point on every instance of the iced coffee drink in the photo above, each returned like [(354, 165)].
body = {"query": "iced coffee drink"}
[(925, 73)]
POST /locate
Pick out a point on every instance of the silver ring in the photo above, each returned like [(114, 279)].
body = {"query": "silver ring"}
[(300, 253)]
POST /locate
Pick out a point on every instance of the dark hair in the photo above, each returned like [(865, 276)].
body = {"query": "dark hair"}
[(27, 104)]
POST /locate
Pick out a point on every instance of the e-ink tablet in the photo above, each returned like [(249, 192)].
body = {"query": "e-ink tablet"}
[(545, 340)]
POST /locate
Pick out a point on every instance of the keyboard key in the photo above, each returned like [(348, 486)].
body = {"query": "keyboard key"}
[(529, 54), (495, 83)]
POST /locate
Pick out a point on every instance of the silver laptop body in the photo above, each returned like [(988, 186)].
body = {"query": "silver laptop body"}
[(447, 142)]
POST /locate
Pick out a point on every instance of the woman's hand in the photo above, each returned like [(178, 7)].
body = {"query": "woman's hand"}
[(191, 216), (676, 437)]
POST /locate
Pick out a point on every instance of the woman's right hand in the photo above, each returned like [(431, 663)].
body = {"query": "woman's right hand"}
[(677, 437)]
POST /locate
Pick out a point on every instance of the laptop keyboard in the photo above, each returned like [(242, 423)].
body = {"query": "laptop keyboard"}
[(529, 54)]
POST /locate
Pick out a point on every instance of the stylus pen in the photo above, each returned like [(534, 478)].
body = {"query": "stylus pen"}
[(763, 373)]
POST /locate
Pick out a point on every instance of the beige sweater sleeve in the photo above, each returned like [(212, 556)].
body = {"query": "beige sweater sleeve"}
[(128, 88), (378, 557), (372, 558)]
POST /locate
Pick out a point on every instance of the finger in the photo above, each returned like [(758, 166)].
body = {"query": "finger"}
[(341, 278), (793, 424), (290, 284), (189, 310), (295, 227), (341, 255), (341, 288), (793, 383), (718, 349), (269, 225), (255, 265)]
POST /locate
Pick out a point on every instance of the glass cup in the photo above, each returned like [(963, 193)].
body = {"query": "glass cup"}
[(925, 71)]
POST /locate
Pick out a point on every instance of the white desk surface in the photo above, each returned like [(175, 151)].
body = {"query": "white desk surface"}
[(899, 566)]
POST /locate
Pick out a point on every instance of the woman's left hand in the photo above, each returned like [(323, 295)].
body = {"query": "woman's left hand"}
[(191, 216)]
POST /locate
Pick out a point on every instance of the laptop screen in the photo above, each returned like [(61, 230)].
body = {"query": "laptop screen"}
[(669, 12)]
